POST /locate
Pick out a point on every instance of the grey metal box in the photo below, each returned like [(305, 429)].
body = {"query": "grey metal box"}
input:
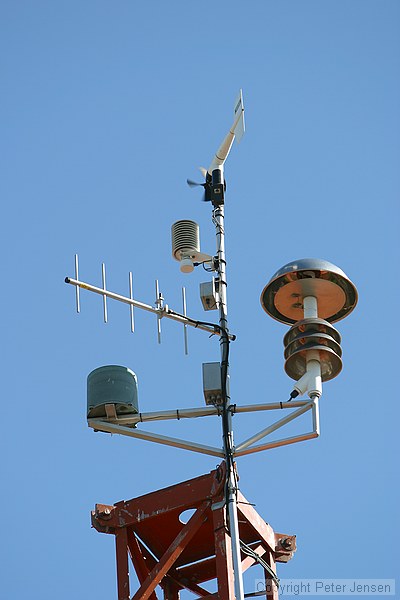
[(209, 295), (212, 383)]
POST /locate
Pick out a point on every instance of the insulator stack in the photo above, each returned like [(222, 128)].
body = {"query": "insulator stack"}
[(317, 335), (310, 294)]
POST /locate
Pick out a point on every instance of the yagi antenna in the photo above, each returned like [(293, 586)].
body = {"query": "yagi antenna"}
[(160, 309)]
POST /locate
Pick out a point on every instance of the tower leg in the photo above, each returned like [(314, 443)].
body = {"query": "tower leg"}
[(272, 592), (223, 556), (121, 544), (171, 591)]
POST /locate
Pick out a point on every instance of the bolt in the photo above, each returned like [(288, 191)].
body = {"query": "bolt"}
[(104, 514), (286, 543)]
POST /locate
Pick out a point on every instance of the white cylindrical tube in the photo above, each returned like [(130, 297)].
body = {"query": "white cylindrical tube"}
[(314, 387), (186, 265), (310, 306), (311, 381)]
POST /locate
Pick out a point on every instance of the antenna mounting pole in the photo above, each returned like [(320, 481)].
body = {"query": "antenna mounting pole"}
[(231, 478)]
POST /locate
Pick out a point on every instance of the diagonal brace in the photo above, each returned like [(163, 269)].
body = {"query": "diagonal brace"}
[(171, 554), (264, 432)]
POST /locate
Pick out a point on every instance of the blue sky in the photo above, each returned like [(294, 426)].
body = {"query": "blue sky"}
[(107, 108)]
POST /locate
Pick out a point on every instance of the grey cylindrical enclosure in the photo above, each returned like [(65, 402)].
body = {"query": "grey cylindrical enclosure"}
[(115, 385)]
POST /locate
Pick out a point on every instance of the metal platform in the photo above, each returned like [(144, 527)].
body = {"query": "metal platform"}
[(175, 555)]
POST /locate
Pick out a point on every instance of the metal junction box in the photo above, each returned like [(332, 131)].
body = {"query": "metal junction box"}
[(212, 383), (209, 295)]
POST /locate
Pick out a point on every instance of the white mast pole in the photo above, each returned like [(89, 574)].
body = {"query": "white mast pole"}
[(216, 170), (231, 492)]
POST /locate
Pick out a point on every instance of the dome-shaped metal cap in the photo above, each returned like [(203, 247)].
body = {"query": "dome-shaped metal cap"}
[(282, 297)]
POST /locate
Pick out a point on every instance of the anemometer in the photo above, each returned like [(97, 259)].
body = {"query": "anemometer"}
[(307, 294)]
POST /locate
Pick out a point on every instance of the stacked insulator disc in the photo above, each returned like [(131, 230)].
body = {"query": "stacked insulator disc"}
[(312, 334), (335, 297)]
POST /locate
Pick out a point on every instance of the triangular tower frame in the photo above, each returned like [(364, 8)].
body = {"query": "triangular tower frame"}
[(175, 555)]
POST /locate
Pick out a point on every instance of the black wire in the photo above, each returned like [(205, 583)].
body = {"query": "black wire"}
[(216, 327), (203, 263), (230, 470), (229, 457), (227, 438), (209, 270), (250, 552), (255, 594)]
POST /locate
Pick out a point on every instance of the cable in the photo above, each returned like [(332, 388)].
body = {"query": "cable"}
[(293, 395), (250, 552), (254, 594), (216, 327), (209, 270), (203, 264), (229, 455), (215, 222), (231, 484)]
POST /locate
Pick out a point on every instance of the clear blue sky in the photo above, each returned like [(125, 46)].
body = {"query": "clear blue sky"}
[(107, 107)]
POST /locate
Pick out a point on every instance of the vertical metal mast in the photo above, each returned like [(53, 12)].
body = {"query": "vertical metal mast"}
[(231, 480)]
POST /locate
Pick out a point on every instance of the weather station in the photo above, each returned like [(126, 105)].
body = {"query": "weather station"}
[(224, 535)]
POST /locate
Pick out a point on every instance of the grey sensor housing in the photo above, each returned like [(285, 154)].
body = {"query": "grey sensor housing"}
[(209, 295), (186, 245), (212, 383), (111, 386)]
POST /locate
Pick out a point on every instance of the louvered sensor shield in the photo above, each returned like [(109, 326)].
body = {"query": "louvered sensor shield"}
[(186, 245), (310, 294)]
